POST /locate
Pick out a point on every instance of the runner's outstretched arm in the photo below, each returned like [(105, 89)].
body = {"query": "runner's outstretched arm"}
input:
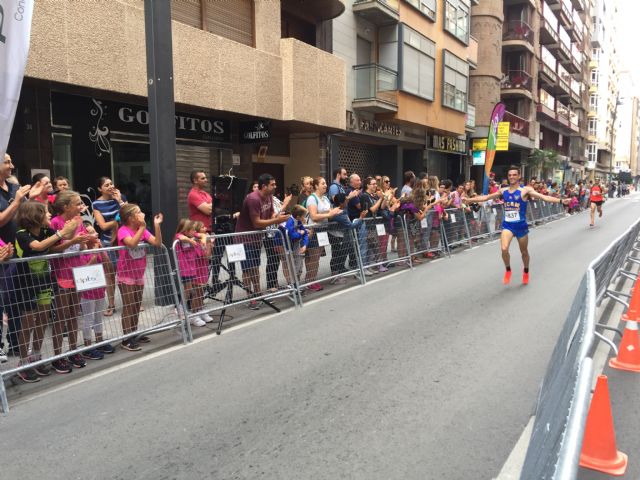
[(531, 193), (482, 198)]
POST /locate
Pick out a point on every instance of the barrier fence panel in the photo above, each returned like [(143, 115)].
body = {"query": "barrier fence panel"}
[(59, 313), (536, 211), (255, 267), (381, 234), (424, 237), (559, 389), (480, 221), (456, 230)]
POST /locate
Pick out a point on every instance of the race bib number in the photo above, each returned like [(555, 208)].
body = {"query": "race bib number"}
[(511, 216), (323, 239), (380, 229), (137, 253), (73, 248), (235, 252)]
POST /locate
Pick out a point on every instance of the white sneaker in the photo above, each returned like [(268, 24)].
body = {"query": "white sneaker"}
[(3, 357), (197, 322), (368, 272), (206, 317)]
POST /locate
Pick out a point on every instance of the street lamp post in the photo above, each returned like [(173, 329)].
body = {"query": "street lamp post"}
[(613, 126)]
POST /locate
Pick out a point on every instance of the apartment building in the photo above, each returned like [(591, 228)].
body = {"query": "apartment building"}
[(256, 90), (533, 57), (407, 106), (604, 95)]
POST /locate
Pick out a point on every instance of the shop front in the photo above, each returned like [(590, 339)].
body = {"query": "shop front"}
[(446, 157)]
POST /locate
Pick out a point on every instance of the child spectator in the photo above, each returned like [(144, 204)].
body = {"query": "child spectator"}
[(298, 239), (92, 303), (132, 263), (68, 205), (187, 262), (203, 249), (36, 237)]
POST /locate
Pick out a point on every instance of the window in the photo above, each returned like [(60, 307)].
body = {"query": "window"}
[(592, 153), (427, 7), (454, 85), (456, 19), (593, 101), (62, 156), (593, 126), (594, 77), (418, 64), (388, 47)]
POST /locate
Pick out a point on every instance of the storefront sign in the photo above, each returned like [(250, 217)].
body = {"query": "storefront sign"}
[(255, 132), (479, 144), (362, 125), (105, 117), (448, 144), (479, 157), (502, 140)]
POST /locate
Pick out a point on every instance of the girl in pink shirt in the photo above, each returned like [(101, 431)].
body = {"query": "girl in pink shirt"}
[(201, 277), (68, 205), (187, 257), (132, 263)]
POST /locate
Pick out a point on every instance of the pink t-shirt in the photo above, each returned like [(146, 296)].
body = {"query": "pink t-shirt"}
[(202, 266), (132, 261), (187, 257), (62, 268), (2, 244), (196, 198)]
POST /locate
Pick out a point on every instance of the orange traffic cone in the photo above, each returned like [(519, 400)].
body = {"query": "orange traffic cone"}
[(599, 451), (633, 312), (629, 352)]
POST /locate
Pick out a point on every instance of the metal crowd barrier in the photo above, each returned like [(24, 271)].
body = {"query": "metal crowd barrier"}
[(266, 264), (374, 241), (424, 237), (56, 307), (456, 230), (561, 412)]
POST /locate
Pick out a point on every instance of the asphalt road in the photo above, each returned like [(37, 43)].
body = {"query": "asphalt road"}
[(429, 374)]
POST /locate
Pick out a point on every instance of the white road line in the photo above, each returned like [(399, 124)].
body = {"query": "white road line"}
[(513, 466)]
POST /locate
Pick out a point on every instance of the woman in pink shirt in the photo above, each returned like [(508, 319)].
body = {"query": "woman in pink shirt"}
[(132, 263), (69, 205)]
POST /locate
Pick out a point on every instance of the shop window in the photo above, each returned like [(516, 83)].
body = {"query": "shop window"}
[(427, 7), (132, 173), (418, 64), (292, 26), (62, 158), (455, 81), (456, 19)]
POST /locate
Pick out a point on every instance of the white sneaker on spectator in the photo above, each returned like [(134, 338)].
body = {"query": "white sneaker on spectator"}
[(3, 357), (368, 272), (338, 281), (197, 322), (206, 317)]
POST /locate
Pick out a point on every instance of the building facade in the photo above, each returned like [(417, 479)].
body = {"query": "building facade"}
[(407, 69), (256, 90), (533, 57)]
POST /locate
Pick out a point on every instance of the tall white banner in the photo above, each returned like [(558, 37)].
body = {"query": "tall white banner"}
[(15, 31)]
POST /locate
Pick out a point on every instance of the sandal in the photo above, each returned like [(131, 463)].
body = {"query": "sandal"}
[(109, 311)]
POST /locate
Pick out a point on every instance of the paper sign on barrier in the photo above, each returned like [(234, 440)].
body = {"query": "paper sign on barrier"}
[(235, 252), (535, 204), (89, 277), (381, 230), (323, 239), (495, 212), (452, 216), (424, 223)]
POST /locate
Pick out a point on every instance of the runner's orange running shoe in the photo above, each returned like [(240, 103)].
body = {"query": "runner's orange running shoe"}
[(507, 277), (525, 278)]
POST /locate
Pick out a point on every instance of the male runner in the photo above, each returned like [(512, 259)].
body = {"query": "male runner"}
[(596, 199), (514, 220)]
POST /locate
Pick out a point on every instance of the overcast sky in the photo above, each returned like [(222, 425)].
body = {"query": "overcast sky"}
[(629, 41)]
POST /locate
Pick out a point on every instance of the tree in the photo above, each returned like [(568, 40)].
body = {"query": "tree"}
[(543, 161)]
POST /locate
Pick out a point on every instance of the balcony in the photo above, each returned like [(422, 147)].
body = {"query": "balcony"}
[(470, 118), (519, 125), (562, 115), (578, 5), (563, 11), (516, 83), (548, 76), (577, 58), (573, 122), (576, 30), (375, 89), (545, 110), (321, 10), (378, 12), (548, 26), (516, 35)]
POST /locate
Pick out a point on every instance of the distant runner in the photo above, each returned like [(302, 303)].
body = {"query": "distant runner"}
[(514, 220), (596, 199)]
